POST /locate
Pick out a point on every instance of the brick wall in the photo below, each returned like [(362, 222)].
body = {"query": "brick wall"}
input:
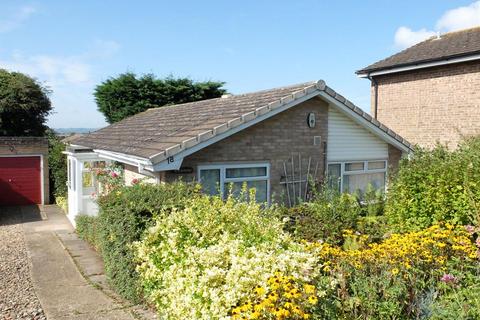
[(131, 172), (273, 141), (394, 156), (10, 146), (428, 105)]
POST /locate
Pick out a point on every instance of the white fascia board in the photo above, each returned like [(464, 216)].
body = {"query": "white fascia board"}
[(365, 123), (90, 156), (420, 66), (124, 158), (174, 162)]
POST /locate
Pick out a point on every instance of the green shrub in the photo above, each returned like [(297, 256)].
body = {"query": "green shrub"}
[(124, 215), (325, 217), (57, 165), (461, 303), (62, 202), (434, 186), (198, 263), (399, 277), (87, 229)]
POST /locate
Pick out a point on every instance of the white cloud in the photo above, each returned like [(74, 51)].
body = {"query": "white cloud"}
[(455, 19), (17, 18), (61, 70), (460, 18), (53, 70), (406, 37), (72, 79)]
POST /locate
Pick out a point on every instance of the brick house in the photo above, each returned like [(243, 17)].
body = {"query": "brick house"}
[(273, 140), (431, 91)]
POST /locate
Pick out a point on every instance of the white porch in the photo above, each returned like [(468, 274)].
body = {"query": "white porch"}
[(81, 182)]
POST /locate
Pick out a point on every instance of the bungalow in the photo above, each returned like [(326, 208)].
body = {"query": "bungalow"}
[(273, 140)]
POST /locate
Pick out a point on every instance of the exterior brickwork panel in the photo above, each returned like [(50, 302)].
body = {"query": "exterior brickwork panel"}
[(131, 172), (429, 105)]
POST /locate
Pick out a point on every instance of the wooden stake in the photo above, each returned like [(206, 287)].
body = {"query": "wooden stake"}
[(306, 179), (293, 184), (286, 184), (300, 177)]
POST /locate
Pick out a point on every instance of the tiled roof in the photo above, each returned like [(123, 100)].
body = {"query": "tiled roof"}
[(162, 132), (450, 45)]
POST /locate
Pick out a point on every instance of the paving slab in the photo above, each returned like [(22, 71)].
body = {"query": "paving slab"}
[(63, 291)]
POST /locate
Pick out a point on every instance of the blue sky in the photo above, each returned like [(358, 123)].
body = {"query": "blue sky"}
[(250, 44)]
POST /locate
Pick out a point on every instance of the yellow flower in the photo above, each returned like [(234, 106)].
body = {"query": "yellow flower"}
[(309, 289), (259, 291), (312, 300), (236, 310), (394, 271)]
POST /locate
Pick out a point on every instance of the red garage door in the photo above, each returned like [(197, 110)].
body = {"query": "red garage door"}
[(20, 181)]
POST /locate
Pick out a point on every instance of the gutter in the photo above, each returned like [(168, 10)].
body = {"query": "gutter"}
[(375, 95), (419, 65)]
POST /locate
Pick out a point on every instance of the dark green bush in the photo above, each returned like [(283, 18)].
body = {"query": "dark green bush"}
[(124, 215), (87, 229), (437, 185), (57, 165), (325, 217)]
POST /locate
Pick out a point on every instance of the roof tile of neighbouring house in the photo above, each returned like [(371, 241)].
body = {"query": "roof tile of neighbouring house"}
[(165, 131), (450, 45)]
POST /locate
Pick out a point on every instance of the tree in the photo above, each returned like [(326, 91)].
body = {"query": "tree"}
[(127, 94), (24, 105)]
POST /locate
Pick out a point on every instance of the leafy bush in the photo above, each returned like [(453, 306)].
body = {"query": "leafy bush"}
[(109, 179), (124, 215), (57, 165), (461, 303), (62, 202), (434, 186), (199, 262), (392, 279), (325, 217), (87, 229)]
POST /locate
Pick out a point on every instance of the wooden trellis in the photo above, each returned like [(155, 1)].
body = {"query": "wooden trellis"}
[(296, 180)]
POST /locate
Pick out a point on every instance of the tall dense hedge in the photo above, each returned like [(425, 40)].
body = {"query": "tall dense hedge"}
[(437, 185), (128, 94), (57, 163), (124, 215)]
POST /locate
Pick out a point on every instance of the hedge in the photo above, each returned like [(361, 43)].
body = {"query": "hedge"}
[(124, 215)]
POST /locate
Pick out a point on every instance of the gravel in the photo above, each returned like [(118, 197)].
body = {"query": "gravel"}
[(17, 296)]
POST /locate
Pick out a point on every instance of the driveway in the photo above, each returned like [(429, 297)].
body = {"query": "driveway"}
[(39, 277)]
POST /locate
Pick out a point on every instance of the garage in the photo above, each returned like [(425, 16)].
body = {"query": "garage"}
[(20, 180), (23, 178)]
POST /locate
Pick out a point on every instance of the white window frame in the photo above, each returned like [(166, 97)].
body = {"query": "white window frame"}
[(224, 180), (355, 172)]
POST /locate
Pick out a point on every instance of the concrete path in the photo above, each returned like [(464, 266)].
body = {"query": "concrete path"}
[(62, 290)]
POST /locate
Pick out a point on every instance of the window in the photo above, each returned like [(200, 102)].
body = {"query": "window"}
[(71, 164), (225, 178), (355, 176), (89, 180)]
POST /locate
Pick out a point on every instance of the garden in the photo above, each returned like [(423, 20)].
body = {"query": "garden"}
[(412, 253)]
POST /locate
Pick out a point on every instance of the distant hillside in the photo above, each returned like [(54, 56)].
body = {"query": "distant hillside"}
[(64, 131)]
